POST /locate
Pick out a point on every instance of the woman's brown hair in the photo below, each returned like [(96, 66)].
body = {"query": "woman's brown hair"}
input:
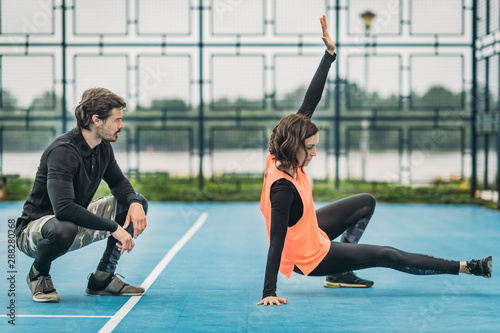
[(99, 101), (288, 137)]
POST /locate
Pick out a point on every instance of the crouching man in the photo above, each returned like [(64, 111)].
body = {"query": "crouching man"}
[(58, 215)]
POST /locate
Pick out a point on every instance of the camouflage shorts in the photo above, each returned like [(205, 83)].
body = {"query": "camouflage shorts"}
[(32, 234)]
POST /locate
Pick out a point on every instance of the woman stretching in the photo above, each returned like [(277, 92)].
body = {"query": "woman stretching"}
[(300, 238)]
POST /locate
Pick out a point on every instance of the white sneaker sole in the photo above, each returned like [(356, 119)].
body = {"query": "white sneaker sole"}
[(327, 284), (46, 300)]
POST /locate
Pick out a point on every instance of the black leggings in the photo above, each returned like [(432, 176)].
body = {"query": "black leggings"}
[(349, 217)]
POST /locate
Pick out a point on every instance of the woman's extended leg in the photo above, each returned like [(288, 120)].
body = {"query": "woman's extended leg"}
[(344, 257), (347, 257)]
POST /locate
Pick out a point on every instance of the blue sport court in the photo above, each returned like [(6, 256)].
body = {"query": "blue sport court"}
[(203, 267)]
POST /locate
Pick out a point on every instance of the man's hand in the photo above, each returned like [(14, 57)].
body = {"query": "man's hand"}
[(125, 241), (137, 217), (330, 46), (271, 300)]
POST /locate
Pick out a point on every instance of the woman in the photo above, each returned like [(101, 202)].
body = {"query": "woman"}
[(300, 238)]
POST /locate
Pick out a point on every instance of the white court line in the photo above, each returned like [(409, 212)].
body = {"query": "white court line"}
[(124, 310)]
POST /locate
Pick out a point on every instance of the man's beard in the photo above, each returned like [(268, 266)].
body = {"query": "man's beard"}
[(107, 136)]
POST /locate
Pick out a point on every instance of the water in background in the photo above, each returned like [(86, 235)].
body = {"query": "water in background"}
[(385, 166)]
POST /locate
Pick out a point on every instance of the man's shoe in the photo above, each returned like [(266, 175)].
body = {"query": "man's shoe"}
[(346, 280), (112, 286), (42, 288), (482, 267)]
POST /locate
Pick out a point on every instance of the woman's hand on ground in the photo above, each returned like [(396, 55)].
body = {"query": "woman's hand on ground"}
[(271, 300)]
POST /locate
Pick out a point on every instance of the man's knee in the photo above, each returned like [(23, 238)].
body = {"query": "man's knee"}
[(143, 201), (60, 232)]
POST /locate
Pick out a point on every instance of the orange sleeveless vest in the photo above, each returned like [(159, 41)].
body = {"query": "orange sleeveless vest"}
[(305, 243)]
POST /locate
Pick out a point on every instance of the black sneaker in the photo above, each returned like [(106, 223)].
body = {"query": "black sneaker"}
[(482, 267), (112, 286), (346, 280), (42, 288)]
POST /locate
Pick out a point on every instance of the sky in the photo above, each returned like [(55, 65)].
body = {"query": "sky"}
[(272, 64)]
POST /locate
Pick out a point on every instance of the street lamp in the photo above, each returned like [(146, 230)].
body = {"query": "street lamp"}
[(364, 143), (367, 19)]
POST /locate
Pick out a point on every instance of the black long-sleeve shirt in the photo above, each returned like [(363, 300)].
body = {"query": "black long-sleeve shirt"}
[(286, 205), (68, 177)]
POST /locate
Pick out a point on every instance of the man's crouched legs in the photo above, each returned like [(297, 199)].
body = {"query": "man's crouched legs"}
[(104, 282), (56, 238)]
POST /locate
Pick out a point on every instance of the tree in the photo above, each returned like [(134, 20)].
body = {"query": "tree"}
[(46, 100), (169, 104), (438, 97), (8, 102), (292, 100), (355, 95), (222, 104)]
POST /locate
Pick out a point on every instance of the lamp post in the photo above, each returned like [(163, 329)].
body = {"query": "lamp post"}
[(364, 144)]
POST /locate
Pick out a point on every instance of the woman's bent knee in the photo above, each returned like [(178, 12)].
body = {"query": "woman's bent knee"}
[(369, 200)]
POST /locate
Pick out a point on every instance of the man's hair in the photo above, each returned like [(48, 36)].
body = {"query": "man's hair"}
[(289, 137), (99, 101)]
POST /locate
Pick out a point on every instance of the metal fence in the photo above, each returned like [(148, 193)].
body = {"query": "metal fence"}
[(487, 89), (408, 101)]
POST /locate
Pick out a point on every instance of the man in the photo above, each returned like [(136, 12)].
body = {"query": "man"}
[(58, 215)]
